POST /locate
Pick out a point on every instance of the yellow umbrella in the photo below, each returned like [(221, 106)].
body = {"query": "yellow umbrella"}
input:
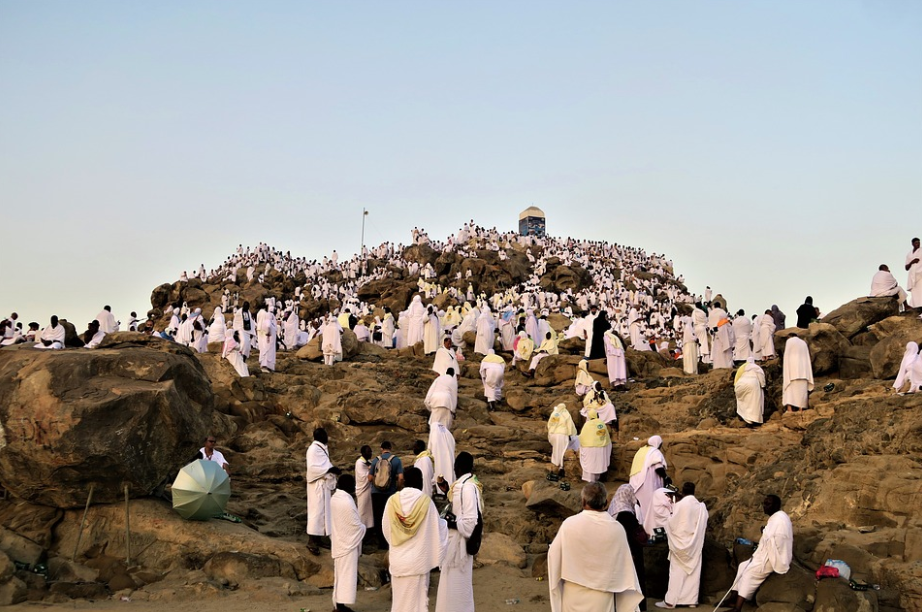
[(201, 490)]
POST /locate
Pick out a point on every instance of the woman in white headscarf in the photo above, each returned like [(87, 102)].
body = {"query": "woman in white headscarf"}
[(331, 342), (584, 380), (561, 433), (906, 365), (231, 352), (416, 320), (614, 359), (596, 399), (218, 328), (431, 331), (486, 328), (750, 399), (594, 448), (524, 348)]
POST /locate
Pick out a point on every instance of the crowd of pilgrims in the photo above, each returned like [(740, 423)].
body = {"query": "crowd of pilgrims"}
[(632, 294)]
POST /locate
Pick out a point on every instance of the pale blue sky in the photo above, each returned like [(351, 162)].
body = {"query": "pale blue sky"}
[(771, 149)]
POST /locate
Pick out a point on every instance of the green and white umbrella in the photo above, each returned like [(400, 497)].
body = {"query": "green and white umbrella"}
[(201, 490)]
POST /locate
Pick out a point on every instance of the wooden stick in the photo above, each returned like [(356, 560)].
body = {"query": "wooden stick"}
[(89, 500), (127, 531)]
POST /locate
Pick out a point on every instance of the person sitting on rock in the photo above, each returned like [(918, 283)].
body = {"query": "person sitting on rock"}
[(773, 555), (52, 337), (884, 285), (210, 453), (93, 335)]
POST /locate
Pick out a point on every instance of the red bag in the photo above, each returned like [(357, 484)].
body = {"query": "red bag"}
[(827, 572)]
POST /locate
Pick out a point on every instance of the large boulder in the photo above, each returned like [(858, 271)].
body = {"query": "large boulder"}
[(825, 342), (893, 333), (109, 418), (854, 317)]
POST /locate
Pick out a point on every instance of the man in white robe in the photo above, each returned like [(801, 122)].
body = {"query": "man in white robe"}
[(766, 336), (416, 321), (774, 553), (700, 325), (723, 341), (347, 531), (486, 328), (648, 473), (417, 540), (748, 384), (321, 480), (52, 337), (426, 466), (579, 581), (884, 285), (456, 589), (798, 374), (431, 331), (442, 446), (363, 487), (445, 357), (689, 347), (742, 331), (442, 399), (107, 322), (685, 534), (661, 506), (266, 333), (492, 374), (331, 343), (914, 272), (290, 331)]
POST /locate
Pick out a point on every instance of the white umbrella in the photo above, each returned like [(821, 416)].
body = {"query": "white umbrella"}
[(201, 490)]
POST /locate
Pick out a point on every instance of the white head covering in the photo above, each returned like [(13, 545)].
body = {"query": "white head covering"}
[(655, 441)]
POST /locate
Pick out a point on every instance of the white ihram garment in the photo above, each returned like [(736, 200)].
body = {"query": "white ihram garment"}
[(685, 533), (774, 554), (346, 546), (320, 483)]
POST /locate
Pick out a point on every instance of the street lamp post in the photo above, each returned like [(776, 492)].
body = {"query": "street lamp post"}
[(362, 249)]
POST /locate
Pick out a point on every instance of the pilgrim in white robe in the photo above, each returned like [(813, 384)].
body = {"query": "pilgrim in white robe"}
[(418, 540), (346, 546), (445, 358), (424, 462), (363, 491), (53, 335), (643, 475), (456, 589), (594, 448), (722, 351), (217, 331), (320, 484), (109, 325), (387, 331), (486, 328), (442, 446), (884, 284), (524, 347), (685, 532), (431, 333), (689, 347), (767, 337), (904, 374), (492, 374), (599, 401), (416, 320), (750, 399), (742, 330), (231, 352), (584, 380), (582, 582), (661, 505), (798, 373), (774, 554), (561, 433), (442, 400), (243, 323), (914, 277), (291, 331), (614, 359), (331, 341), (700, 323), (266, 332)]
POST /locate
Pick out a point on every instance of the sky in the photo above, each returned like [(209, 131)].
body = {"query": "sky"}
[(772, 150)]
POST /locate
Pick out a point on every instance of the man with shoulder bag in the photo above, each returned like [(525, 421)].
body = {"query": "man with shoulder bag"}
[(456, 590)]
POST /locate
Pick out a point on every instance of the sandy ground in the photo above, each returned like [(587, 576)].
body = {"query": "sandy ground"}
[(492, 587)]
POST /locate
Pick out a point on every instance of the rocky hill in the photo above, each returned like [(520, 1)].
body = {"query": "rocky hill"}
[(131, 412)]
